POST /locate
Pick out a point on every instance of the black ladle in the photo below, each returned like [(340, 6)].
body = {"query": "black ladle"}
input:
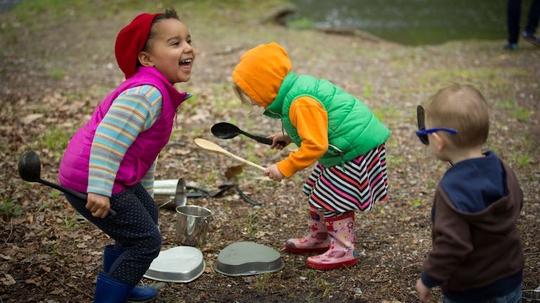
[(226, 130), (30, 171)]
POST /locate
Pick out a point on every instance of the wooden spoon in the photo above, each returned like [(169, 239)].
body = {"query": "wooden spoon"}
[(211, 146)]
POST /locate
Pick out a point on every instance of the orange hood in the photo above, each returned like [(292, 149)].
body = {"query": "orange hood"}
[(260, 72)]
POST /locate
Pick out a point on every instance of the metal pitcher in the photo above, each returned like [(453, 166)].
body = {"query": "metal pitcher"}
[(192, 223)]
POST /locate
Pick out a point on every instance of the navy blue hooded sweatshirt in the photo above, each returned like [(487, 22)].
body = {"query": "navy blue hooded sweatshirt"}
[(476, 252)]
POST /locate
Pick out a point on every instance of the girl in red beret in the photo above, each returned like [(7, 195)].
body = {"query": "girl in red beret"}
[(111, 158)]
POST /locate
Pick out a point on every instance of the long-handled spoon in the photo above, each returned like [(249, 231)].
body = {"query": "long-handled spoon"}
[(226, 130), (211, 146), (30, 171)]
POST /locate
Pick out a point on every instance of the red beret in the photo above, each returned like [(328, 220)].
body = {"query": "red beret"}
[(131, 40)]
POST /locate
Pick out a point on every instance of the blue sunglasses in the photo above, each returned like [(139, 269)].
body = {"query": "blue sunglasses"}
[(422, 132)]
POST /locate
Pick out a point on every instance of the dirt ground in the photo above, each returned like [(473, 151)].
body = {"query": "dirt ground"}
[(57, 64)]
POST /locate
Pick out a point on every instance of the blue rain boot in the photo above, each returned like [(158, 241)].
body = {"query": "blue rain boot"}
[(138, 293), (109, 290)]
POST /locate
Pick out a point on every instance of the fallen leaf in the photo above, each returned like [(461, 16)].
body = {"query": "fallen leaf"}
[(31, 118), (233, 171), (8, 280)]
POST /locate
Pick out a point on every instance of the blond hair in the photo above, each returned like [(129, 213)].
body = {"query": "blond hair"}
[(463, 108)]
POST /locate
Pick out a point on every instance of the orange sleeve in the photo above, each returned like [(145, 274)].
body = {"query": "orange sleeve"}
[(310, 119)]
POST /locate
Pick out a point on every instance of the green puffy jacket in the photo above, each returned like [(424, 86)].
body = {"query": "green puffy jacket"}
[(353, 130)]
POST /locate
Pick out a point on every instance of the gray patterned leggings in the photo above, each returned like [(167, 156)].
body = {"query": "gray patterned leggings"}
[(134, 228)]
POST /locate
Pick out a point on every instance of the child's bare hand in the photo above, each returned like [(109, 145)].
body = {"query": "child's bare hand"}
[(279, 141), (273, 172), (98, 205), (424, 293)]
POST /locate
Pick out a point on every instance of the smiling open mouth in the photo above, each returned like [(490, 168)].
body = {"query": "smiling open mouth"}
[(186, 61)]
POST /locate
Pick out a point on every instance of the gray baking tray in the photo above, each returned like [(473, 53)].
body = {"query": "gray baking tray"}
[(248, 258), (180, 264)]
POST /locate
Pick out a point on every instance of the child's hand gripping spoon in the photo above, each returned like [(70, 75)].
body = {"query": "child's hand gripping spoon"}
[(30, 170)]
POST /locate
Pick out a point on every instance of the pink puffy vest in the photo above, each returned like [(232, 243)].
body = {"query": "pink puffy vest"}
[(73, 172)]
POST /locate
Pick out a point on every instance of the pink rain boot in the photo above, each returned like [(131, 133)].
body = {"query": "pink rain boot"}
[(316, 241), (341, 252)]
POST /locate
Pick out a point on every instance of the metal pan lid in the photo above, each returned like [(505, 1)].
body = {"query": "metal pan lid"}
[(248, 258), (178, 264)]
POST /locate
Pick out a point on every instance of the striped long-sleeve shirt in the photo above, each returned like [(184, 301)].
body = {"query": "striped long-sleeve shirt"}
[(132, 112)]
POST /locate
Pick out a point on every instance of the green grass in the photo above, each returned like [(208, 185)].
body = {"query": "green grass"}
[(387, 114), (519, 155), (516, 111), (430, 184), (56, 73), (225, 98), (392, 142), (416, 202), (250, 153), (9, 209), (367, 90), (54, 194), (325, 287), (483, 78), (54, 248), (520, 158), (252, 221), (300, 23), (44, 205), (523, 160), (263, 282), (70, 223), (55, 139), (395, 161), (10, 34), (28, 12), (506, 104), (521, 114), (210, 177)]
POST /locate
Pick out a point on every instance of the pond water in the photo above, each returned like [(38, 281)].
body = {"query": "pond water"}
[(412, 22), (5, 5)]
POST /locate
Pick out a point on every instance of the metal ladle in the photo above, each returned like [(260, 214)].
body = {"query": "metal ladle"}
[(226, 130), (30, 171)]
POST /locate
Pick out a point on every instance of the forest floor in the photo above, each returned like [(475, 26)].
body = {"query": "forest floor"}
[(57, 64)]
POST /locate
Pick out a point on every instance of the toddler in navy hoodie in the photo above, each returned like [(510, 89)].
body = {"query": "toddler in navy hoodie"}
[(476, 254)]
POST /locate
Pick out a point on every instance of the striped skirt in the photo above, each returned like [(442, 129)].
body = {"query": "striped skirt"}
[(353, 186)]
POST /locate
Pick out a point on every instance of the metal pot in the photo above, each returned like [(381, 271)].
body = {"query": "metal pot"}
[(192, 223)]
